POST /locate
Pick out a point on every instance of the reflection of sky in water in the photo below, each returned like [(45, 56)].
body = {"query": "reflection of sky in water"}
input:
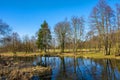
[(80, 69)]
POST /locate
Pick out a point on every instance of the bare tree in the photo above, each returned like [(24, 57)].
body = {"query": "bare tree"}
[(101, 18), (33, 44), (15, 42), (90, 35), (118, 28), (62, 31), (26, 42), (78, 29), (5, 31)]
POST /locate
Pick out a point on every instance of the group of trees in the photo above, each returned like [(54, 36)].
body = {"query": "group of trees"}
[(11, 41), (104, 24), (105, 21), (104, 33), (70, 32)]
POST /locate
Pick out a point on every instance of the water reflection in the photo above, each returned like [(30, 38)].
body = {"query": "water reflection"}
[(66, 68)]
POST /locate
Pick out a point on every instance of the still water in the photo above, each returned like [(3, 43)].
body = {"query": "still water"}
[(71, 68)]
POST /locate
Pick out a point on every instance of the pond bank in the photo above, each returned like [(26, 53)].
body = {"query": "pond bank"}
[(84, 55), (25, 73), (19, 70)]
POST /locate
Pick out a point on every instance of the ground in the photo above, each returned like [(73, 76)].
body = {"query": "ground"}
[(95, 55)]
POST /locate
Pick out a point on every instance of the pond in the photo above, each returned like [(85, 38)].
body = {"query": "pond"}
[(71, 68)]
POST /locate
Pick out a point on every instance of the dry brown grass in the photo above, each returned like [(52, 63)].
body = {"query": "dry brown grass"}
[(26, 73), (96, 55), (19, 54)]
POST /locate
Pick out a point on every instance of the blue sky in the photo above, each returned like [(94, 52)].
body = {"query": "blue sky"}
[(26, 16)]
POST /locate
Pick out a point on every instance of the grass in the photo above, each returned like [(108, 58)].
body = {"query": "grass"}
[(87, 54), (25, 73), (19, 54), (97, 56), (90, 55)]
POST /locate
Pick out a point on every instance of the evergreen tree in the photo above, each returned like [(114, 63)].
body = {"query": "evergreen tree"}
[(44, 37)]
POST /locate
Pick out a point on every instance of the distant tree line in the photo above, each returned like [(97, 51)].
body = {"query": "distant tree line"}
[(103, 34), (11, 41)]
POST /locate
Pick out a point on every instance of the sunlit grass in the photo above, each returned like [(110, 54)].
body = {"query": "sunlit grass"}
[(22, 54), (68, 53)]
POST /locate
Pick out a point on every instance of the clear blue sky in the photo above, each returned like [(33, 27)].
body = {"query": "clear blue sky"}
[(26, 16)]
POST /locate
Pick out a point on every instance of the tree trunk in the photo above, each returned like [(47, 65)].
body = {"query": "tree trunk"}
[(62, 47)]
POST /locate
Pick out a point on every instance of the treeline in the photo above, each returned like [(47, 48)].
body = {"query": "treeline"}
[(13, 43), (104, 33), (105, 23)]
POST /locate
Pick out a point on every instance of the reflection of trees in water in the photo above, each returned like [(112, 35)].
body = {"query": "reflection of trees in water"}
[(108, 69), (94, 70), (70, 69), (67, 69), (62, 75), (77, 69), (83, 69)]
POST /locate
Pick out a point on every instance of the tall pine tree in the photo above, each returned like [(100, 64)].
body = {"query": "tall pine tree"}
[(44, 37)]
